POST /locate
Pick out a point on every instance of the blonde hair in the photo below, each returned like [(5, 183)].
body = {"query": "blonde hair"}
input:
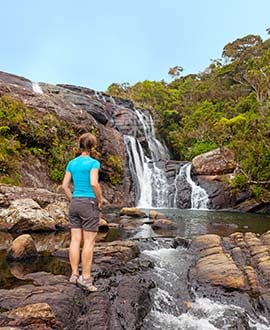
[(86, 142)]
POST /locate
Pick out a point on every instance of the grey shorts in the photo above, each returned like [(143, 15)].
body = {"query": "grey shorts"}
[(83, 213)]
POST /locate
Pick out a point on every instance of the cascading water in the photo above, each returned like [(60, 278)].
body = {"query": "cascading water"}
[(139, 166), (175, 305), (151, 180), (36, 88), (199, 197)]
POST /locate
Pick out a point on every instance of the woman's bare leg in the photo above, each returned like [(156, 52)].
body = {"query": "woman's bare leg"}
[(89, 238), (74, 249)]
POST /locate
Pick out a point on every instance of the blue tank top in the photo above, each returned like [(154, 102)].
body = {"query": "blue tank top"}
[(80, 169)]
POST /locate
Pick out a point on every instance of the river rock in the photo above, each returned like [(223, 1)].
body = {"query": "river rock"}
[(153, 214), (218, 161), (23, 247), (133, 212), (160, 224)]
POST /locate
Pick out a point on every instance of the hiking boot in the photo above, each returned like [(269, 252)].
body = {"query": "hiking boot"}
[(73, 278), (86, 284)]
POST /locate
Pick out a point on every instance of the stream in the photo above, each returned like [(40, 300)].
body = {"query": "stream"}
[(175, 306)]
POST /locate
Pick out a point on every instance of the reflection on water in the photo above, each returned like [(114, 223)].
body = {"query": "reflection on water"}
[(190, 223), (12, 273)]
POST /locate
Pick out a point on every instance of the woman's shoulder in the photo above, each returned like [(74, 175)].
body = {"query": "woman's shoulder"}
[(95, 162)]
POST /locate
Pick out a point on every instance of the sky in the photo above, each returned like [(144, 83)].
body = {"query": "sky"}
[(96, 43)]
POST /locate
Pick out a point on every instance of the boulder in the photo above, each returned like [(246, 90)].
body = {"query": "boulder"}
[(218, 161), (23, 247), (153, 214), (133, 212), (163, 224)]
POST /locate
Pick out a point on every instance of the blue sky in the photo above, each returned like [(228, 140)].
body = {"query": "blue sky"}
[(96, 43)]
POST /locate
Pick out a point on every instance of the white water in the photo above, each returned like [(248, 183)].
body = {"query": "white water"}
[(153, 186), (138, 162), (151, 180), (36, 88), (170, 275), (199, 197), (158, 151)]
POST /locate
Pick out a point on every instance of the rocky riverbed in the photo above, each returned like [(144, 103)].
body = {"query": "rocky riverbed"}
[(232, 270)]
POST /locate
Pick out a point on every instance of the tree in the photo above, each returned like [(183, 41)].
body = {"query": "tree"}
[(175, 72), (237, 49), (250, 64)]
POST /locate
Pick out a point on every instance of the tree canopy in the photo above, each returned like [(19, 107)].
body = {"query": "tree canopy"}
[(226, 105)]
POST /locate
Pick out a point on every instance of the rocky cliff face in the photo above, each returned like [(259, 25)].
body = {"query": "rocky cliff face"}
[(85, 110)]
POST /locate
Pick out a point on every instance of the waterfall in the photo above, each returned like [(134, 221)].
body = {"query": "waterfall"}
[(199, 197), (36, 88), (140, 170), (150, 178), (158, 151)]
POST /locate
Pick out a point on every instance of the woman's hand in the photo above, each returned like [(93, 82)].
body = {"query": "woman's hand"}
[(100, 206)]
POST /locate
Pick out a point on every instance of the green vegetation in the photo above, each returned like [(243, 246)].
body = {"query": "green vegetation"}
[(115, 163), (226, 105), (23, 132)]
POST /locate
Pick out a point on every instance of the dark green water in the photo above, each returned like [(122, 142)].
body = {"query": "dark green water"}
[(189, 223)]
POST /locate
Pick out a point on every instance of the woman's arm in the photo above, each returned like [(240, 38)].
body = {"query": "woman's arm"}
[(96, 186), (66, 185)]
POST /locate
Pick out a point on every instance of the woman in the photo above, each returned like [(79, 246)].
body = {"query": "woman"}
[(85, 202)]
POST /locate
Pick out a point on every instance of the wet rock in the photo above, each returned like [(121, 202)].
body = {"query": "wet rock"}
[(129, 223), (156, 215), (180, 241), (161, 224), (183, 193), (23, 247), (133, 212), (132, 313), (217, 188)]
